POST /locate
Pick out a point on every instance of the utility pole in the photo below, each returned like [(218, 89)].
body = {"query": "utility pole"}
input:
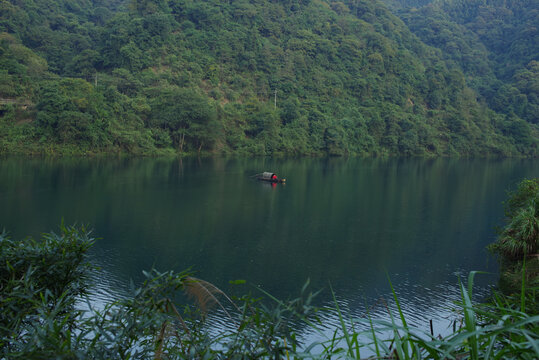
[(95, 79)]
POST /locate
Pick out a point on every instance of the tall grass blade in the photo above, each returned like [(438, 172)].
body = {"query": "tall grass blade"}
[(341, 320), (375, 339), (491, 346), (399, 347), (404, 324), (469, 315), (534, 343), (401, 314)]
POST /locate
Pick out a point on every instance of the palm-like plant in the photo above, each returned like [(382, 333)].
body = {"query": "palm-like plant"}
[(520, 236)]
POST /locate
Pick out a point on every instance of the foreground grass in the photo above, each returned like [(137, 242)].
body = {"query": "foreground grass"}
[(42, 280)]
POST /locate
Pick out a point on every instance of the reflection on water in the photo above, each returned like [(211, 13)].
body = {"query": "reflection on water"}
[(347, 222)]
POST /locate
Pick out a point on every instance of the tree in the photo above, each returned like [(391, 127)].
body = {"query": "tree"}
[(146, 7), (188, 116)]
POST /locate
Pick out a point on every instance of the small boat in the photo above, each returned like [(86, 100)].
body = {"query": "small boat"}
[(269, 177)]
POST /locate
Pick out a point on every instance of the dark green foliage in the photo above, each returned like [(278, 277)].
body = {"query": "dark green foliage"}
[(520, 237), (494, 42), (518, 243), (247, 76), (73, 112), (33, 258), (40, 280), (189, 118)]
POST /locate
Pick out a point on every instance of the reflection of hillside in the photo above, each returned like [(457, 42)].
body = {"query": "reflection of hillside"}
[(341, 220)]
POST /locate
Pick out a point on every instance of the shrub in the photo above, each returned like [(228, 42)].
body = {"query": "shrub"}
[(39, 282), (520, 235)]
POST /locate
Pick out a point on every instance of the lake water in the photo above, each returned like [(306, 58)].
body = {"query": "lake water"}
[(344, 222)]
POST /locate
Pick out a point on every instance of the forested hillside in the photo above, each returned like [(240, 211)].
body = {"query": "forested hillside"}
[(294, 77), (495, 43)]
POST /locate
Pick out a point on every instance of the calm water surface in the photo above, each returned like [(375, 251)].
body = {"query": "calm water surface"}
[(344, 222)]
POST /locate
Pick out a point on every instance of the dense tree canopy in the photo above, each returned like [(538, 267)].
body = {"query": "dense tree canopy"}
[(265, 77), (494, 42)]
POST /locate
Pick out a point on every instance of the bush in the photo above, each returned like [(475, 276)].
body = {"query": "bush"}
[(39, 282), (520, 236)]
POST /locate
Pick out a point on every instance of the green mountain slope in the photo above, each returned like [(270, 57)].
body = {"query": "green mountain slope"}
[(496, 44), (251, 77)]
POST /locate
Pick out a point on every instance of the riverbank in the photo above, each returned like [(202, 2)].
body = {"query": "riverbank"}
[(42, 280)]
